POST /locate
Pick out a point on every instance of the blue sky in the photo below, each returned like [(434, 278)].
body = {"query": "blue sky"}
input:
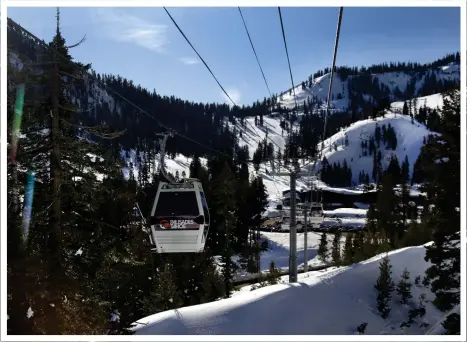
[(142, 44)]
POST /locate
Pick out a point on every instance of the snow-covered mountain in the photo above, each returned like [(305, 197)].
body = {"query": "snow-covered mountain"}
[(410, 136), (396, 82)]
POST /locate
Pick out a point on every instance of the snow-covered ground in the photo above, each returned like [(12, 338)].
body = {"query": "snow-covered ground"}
[(330, 302), (279, 251)]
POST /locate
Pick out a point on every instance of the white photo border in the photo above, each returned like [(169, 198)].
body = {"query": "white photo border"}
[(225, 3)]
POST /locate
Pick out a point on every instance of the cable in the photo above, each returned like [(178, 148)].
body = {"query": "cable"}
[(339, 21), (336, 44), (290, 71), (201, 58), (259, 64), (252, 46), (188, 41), (288, 60), (205, 64)]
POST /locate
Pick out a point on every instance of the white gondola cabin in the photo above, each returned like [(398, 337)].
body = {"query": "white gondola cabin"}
[(316, 213), (179, 218)]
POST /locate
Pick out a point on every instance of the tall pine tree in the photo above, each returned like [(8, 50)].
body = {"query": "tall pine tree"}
[(443, 191)]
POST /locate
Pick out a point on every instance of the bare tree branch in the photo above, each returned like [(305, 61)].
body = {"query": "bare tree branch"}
[(96, 130), (79, 43), (72, 76)]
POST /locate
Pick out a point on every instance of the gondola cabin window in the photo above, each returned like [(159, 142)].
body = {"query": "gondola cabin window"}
[(177, 204)]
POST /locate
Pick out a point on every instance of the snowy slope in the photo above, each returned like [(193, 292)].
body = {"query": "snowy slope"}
[(180, 163), (319, 90), (394, 80), (330, 302), (252, 135), (431, 101), (409, 136), (409, 142)]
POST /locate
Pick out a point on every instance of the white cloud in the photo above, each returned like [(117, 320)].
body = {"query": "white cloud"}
[(189, 60), (124, 27), (234, 94)]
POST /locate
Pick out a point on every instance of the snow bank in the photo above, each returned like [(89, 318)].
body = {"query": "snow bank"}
[(330, 302)]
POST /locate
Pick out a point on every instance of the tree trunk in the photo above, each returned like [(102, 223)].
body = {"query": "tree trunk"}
[(258, 246), (55, 172), (14, 228)]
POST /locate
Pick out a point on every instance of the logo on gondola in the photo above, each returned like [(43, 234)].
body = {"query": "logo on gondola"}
[(175, 224), (180, 224), (164, 224)]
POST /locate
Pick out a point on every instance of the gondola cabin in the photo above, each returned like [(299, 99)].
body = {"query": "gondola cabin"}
[(316, 213), (179, 218)]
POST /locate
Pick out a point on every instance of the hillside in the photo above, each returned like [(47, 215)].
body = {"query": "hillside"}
[(396, 84), (336, 301), (410, 138)]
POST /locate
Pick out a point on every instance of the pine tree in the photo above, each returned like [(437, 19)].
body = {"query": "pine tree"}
[(358, 247), (415, 235), (223, 198), (385, 287), (371, 225), (444, 192), (362, 328), (377, 134), (67, 214), (405, 192), (418, 311), (417, 280), (323, 248), (405, 109), (376, 172), (452, 324), (164, 295), (348, 253), (274, 275), (257, 202), (336, 249), (387, 214), (403, 287)]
